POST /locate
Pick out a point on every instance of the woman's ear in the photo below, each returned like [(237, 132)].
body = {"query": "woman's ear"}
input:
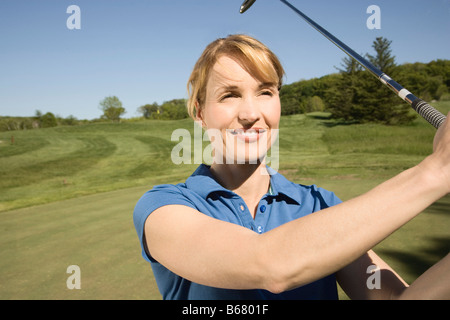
[(199, 114)]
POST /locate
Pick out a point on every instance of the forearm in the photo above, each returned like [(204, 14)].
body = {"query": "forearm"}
[(328, 240), (353, 279), (433, 284)]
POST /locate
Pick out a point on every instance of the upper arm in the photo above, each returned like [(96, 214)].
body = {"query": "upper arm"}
[(358, 280), (203, 249)]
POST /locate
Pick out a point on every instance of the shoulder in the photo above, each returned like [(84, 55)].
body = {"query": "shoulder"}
[(326, 197), (159, 196), (315, 190), (313, 195), (302, 193), (163, 194), (163, 191)]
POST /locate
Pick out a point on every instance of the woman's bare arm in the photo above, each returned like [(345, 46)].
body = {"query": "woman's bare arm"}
[(221, 254), (203, 249), (433, 284), (370, 278)]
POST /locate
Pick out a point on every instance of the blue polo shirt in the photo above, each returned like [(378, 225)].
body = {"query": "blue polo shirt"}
[(284, 202)]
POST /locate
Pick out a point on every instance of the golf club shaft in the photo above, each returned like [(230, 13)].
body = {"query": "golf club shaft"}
[(429, 113)]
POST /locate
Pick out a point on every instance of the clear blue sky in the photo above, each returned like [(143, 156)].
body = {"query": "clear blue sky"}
[(142, 51)]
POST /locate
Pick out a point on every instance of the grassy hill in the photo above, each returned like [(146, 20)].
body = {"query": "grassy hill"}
[(67, 195)]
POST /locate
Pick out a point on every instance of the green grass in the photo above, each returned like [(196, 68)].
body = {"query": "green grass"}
[(94, 232), (60, 163), (67, 196)]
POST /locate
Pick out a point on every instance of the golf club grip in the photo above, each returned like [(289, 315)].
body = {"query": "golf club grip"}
[(428, 112)]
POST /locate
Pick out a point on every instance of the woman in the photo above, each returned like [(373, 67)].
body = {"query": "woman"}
[(239, 230)]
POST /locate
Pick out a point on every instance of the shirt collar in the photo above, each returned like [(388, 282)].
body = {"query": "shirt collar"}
[(203, 183), (282, 187)]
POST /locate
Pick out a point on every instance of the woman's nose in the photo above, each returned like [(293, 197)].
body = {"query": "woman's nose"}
[(249, 111)]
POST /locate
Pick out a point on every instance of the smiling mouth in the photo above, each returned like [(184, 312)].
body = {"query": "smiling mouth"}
[(247, 135), (248, 132)]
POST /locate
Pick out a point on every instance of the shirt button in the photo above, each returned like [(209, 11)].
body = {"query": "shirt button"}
[(242, 207), (260, 229), (262, 208)]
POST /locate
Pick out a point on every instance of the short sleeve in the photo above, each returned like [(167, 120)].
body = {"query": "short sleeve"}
[(327, 198), (153, 199)]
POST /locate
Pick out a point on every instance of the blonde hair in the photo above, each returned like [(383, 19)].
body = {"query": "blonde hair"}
[(253, 56)]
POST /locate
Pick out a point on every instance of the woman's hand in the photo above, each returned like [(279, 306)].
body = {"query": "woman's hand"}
[(441, 132), (441, 151)]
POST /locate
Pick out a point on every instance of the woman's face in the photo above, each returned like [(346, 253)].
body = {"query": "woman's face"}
[(241, 114)]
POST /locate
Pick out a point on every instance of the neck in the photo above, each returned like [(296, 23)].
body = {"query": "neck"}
[(250, 181)]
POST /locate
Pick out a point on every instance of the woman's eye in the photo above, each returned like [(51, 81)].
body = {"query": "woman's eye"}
[(267, 93), (228, 96)]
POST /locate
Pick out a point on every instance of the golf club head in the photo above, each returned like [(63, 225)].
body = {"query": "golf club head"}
[(245, 5)]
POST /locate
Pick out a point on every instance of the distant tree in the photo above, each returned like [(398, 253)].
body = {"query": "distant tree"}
[(349, 65), (37, 119), (173, 110), (359, 97), (385, 106), (427, 81), (342, 98), (315, 103), (291, 98), (37, 114), (69, 121), (112, 108), (148, 109), (48, 120), (383, 59)]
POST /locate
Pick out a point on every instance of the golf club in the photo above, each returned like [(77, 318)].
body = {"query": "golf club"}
[(429, 113)]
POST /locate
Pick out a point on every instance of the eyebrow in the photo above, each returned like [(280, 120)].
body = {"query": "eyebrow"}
[(233, 87), (267, 85)]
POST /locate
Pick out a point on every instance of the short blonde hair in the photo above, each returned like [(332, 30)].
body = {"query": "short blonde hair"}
[(251, 54)]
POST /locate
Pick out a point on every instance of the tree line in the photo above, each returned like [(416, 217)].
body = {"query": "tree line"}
[(169, 110), (354, 95), (351, 95), (39, 120)]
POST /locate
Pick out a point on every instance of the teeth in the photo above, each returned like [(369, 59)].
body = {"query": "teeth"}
[(250, 132)]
